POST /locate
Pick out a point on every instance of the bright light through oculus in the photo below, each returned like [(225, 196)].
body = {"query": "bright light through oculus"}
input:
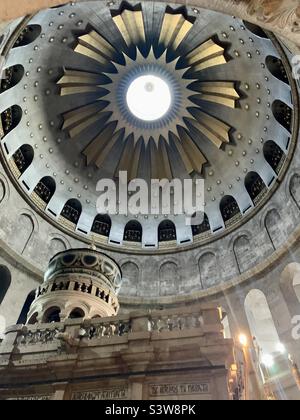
[(148, 97)]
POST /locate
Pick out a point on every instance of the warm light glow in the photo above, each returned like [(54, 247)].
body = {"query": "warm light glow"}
[(234, 367), (280, 348), (148, 97), (243, 340), (267, 360)]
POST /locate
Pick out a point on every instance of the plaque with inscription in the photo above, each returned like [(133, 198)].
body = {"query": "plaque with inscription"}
[(31, 397), (156, 390), (113, 393)]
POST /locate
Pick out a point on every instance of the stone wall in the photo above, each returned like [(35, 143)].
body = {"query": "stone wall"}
[(149, 355), (35, 241)]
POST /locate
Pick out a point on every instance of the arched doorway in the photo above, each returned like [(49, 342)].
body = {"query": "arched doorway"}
[(24, 312), (5, 281)]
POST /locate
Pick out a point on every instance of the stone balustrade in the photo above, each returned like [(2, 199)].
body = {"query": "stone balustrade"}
[(78, 286), (80, 357), (204, 320), (38, 336)]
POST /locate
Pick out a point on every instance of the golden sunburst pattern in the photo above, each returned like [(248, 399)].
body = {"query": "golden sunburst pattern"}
[(160, 139)]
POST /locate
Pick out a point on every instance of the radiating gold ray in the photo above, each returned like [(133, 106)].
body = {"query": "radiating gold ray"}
[(93, 150), (212, 62), (134, 23), (169, 23), (93, 45), (155, 167), (80, 49), (182, 154), (122, 29), (131, 26), (126, 156), (173, 30), (223, 93), (159, 159), (75, 90), (95, 41), (74, 82), (164, 158), (76, 77), (206, 55), (74, 117), (78, 128), (193, 152), (222, 88), (104, 153), (182, 33), (133, 170), (215, 130)]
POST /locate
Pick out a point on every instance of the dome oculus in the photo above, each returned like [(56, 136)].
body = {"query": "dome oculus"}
[(148, 97)]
